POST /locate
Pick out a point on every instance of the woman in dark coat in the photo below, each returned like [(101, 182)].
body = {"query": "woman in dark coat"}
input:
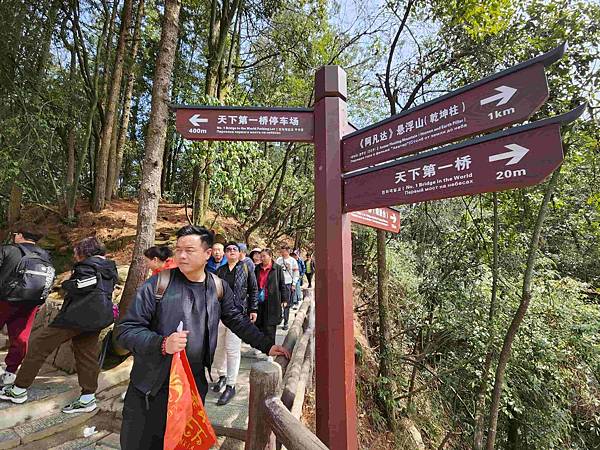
[(272, 294)]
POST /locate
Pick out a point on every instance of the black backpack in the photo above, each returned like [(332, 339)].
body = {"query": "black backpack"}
[(32, 279)]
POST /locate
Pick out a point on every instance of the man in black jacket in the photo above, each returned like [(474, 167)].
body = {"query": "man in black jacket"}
[(228, 354), (149, 327), (17, 316)]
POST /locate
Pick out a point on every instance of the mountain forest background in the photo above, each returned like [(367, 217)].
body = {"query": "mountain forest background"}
[(484, 328)]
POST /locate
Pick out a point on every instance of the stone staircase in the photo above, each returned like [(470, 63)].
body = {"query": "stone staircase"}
[(39, 422)]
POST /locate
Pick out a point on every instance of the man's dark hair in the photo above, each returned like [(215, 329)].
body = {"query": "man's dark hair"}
[(30, 235), (161, 252), (90, 246), (293, 254), (268, 251), (207, 237), (284, 247)]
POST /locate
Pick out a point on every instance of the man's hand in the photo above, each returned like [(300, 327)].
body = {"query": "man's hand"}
[(176, 342), (253, 317), (278, 350), (284, 305), (293, 287)]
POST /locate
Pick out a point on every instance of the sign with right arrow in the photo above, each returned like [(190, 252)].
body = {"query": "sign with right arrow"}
[(382, 218), (520, 157), (492, 103)]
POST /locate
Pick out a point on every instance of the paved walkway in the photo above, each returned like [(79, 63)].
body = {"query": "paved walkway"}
[(232, 419)]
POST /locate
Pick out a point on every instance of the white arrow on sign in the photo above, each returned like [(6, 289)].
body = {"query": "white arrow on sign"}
[(394, 219), (505, 94), (516, 154), (196, 120)]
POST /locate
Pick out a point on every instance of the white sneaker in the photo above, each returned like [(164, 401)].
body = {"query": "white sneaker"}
[(79, 407), (8, 393), (7, 378)]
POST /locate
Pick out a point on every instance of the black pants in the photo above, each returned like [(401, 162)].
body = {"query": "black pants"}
[(144, 423), (286, 310), (309, 278)]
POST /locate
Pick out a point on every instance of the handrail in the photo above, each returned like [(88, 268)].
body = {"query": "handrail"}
[(294, 369), (290, 431), (267, 385), (298, 326)]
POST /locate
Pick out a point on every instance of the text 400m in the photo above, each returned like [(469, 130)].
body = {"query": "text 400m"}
[(505, 174), (498, 114)]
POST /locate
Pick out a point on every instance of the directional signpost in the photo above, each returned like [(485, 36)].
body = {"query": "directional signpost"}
[(507, 97), (360, 173), (221, 123), (523, 156), (382, 218)]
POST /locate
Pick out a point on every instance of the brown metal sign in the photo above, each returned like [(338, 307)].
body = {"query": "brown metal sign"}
[(382, 218), (523, 156), (245, 124), (502, 99)]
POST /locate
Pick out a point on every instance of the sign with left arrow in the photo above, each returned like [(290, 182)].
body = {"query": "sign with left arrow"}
[(522, 156), (222, 123), (492, 103)]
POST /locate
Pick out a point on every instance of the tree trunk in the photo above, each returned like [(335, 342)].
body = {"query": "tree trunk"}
[(267, 212), (14, 206), (385, 373), (130, 77), (107, 52), (47, 39), (70, 156), (519, 315), (94, 88), (196, 197), (166, 158), (221, 17), (155, 144), (103, 157), (206, 186), (478, 434)]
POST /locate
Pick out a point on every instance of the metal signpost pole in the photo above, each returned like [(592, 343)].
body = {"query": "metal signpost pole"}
[(335, 378)]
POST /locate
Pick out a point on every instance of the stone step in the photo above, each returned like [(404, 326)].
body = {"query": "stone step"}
[(110, 442), (82, 443), (49, 394), (73, 437), (45, 427)]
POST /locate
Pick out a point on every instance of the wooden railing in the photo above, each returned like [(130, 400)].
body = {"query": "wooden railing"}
[(277, 390)]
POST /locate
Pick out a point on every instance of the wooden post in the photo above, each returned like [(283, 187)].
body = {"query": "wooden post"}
[(335, 378), (265, 382)]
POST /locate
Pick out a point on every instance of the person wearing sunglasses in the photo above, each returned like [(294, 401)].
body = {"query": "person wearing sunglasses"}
[(228, 354)]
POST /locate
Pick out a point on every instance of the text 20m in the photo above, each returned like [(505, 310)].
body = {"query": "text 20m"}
[(505, 174), (498, 114)]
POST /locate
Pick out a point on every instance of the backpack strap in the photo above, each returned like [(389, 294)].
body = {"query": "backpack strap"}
[(164, 277), (218, 285), (25, 251)]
